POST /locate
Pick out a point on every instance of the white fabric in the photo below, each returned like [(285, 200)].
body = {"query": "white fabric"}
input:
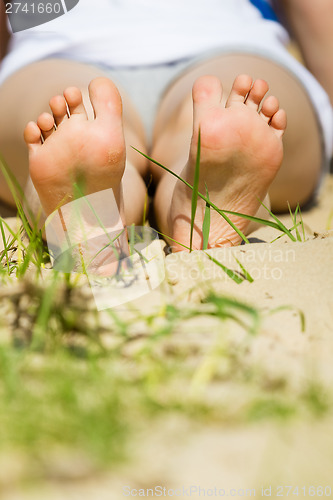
[(133, 33), (141, 32)]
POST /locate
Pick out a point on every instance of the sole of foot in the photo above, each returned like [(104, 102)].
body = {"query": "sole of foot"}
[(241, 153), (65, 148)]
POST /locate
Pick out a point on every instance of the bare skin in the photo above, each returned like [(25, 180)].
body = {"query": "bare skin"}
[(78, 148), (241, 151), (298, 176), (302, 161), (311, 24), (294, 183)]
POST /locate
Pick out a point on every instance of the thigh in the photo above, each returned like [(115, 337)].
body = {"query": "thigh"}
[(26, 94), (303, 157)]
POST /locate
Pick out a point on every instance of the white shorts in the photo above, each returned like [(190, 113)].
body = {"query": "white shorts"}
[(146, 86), (147, 62)]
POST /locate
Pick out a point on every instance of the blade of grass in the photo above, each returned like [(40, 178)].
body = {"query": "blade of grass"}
[(17, 194), (171, 239), (16, 237), (5, 243), (294, 219), (206, 224), (276, 225), (298, 209), (235, 277), (221, 212), (25, 261), (281, 226), (86, 200), (223, 305), (302, 224), (245, 272), (195, 189), (108, 245), (291, 308), (290, 229), (80, 194)]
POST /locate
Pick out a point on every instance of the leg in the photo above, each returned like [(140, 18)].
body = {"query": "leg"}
[(300, 170), (18, 107)]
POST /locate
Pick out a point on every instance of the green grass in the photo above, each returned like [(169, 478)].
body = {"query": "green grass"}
[(206, 224), (275, 223), (84, 388), (195, 190), (69, 403)]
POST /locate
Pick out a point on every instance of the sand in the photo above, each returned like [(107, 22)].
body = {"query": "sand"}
[(296, 281)]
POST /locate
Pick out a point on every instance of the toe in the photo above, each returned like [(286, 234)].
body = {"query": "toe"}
[(240, 89), (59, 109), (73, 96), (269, 108), (207, 91), (105, 99), (32, 135), (46, 123), (279, 122), (206, 94), (256, 94)]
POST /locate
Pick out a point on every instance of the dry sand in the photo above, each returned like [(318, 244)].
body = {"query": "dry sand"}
[(289, 276)]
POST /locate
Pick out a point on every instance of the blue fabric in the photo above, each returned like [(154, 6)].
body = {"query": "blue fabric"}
[(265, 8)]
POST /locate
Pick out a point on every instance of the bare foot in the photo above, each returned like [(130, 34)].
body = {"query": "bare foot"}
[(241, 152), (77, 149)]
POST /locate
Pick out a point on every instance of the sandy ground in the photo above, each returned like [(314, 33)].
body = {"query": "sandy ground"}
[(288, 277)]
